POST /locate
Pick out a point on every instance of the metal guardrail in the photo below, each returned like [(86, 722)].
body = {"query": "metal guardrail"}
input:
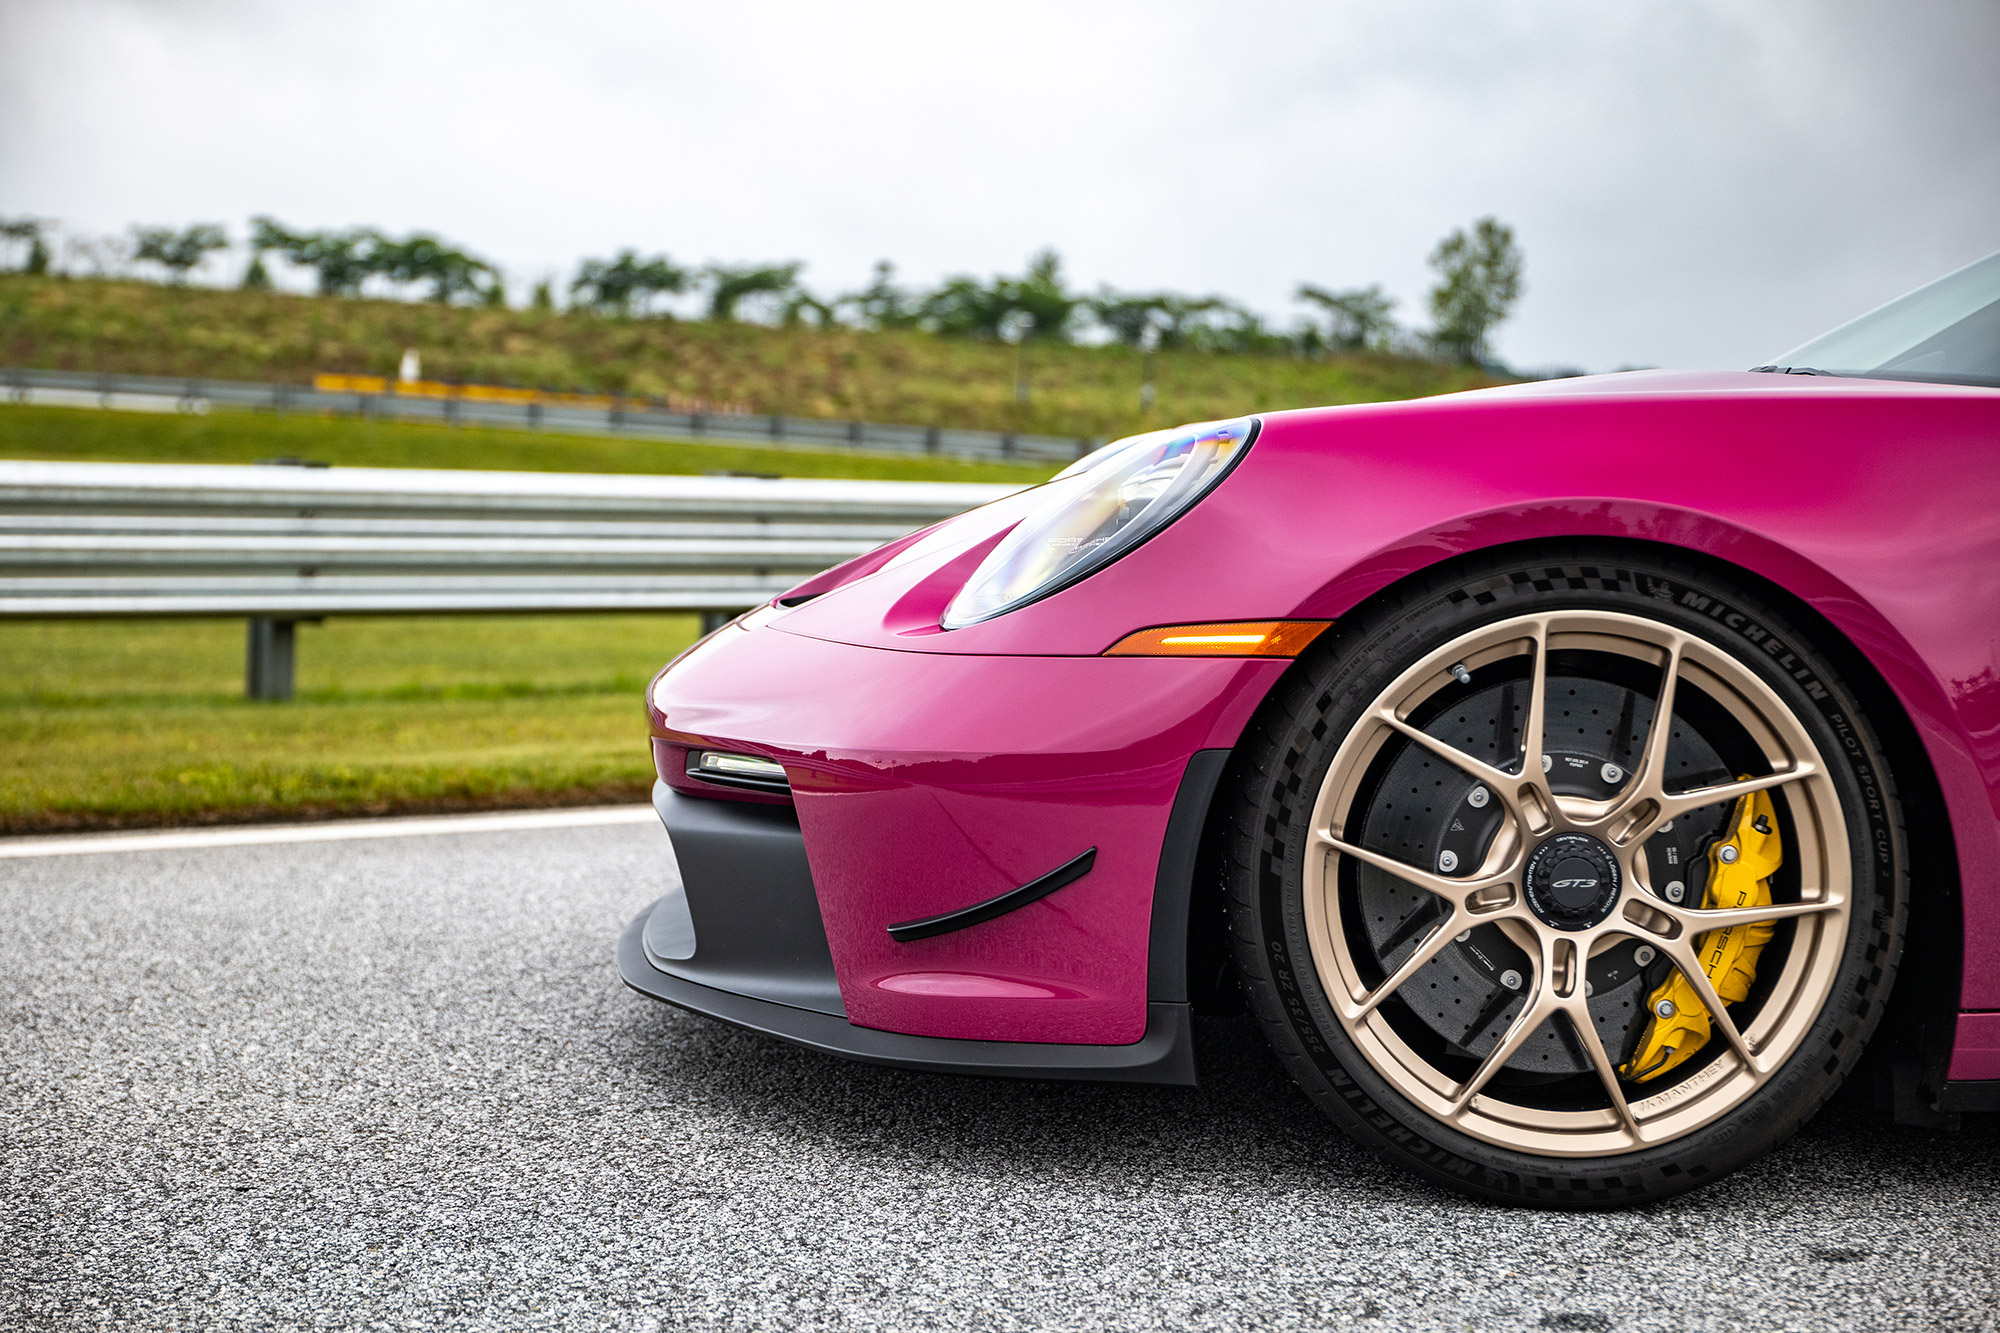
[(282, 544), (556, 413)]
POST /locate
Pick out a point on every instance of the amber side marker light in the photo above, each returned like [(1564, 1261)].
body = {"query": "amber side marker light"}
[(1239, 638)]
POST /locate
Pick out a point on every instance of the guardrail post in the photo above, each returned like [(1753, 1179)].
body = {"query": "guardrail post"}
[(711, 621), (268, 657)]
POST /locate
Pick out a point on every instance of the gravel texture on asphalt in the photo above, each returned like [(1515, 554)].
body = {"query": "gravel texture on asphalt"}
[(398, 1084)]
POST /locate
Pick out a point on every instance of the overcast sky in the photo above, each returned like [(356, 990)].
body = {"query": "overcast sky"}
[(1694, 182)]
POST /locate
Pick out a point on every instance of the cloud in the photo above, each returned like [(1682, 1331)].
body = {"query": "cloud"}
[(1696, 183)]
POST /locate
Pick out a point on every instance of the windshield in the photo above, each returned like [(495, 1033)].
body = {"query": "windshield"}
[(1948, 332)]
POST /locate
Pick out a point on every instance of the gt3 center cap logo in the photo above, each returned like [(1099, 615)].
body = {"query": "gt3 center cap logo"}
[(1572, 881)]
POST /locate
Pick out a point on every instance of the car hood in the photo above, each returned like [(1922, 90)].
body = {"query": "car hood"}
[(1323, 491)]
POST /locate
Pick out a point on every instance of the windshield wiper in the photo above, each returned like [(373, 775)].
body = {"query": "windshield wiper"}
[(1788, 370)]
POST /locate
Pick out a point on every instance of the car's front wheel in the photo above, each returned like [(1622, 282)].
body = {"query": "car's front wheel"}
[(1575, 882)]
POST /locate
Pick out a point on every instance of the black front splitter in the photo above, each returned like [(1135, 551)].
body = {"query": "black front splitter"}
[(1164, 1055)]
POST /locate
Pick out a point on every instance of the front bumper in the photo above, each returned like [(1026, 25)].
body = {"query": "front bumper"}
[(924, 784), (1164, 1055), (740, 939)]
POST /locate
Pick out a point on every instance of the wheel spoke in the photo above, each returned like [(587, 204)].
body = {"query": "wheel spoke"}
[(1699, 920), (1683, 955), (1674, 805), (1420, 957), (1538, 1007), (1537, 717), (1580, 1023), (1652, 767), (1499, 779), (1453, 891)]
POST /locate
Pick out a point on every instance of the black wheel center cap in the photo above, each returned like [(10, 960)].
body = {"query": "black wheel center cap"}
[(1572, 881)]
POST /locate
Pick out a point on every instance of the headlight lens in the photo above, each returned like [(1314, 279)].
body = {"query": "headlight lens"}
[(1096, 510)]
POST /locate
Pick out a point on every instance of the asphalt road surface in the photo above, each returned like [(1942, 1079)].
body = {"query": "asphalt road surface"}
[(396, 1083)]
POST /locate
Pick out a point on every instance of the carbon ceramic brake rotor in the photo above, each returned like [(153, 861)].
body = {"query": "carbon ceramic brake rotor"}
[(1428, 813)]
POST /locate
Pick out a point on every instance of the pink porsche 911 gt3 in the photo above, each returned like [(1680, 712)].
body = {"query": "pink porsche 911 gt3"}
[(1573, 778)]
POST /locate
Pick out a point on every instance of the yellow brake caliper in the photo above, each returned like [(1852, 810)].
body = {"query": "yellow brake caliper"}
[(1739, 875)]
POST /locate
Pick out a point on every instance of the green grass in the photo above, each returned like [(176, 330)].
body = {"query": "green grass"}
[(132, 723), (86, 435), (106, 724), (901, 377)]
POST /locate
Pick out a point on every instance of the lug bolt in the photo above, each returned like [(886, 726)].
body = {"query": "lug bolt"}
[(1727, 854), (1460, 674), (1612, 774), (1478, 797), (1643, 954), (1511, 979), (1447, 861), (1676, 890)]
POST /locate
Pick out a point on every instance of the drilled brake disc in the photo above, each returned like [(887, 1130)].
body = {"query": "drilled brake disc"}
[(1426, 812)]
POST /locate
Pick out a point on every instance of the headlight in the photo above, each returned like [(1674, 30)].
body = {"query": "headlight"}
[(1096, 510)]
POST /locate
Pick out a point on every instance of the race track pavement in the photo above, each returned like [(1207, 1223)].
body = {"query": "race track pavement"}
[(396, 1083)]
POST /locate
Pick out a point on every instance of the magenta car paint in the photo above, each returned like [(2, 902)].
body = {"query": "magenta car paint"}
[(947, 777)]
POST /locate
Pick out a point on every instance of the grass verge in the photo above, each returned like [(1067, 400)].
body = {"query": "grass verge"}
[(86, 435), (125, 724)]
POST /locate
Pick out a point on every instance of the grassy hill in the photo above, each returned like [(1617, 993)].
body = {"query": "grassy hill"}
[(134, 723), (904, 377)]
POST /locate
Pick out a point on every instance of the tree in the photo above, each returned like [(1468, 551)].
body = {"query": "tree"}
[(1356, 318), (178, 251), (422, 257), (1224, 326), (1036, 307), (340, 260), (29, 230), (1131, 318), (729, 285), (611, 287), (882, 304), (1043, 297), (1186, 320), (967, 307), (1479, 280), (264, 235), (801, 305)]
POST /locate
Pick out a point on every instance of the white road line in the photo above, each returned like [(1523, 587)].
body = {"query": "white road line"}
[(505, 821)]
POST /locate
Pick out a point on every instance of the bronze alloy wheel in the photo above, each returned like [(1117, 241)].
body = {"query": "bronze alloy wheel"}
[(1475, 851)]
